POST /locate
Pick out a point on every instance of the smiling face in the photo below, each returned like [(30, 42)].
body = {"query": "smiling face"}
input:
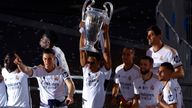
[(49, 61), (145, 66)]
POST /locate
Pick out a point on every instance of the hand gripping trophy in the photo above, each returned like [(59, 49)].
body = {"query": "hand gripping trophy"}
[(93, 19)]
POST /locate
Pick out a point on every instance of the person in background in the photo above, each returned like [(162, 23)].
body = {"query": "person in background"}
[(147, 87), (125, 74), (16, 83), (48, 40), (160, 52), (3, 93), (169, 98)]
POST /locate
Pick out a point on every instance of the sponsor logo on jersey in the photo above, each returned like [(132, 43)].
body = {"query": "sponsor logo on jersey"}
[(17, 77)]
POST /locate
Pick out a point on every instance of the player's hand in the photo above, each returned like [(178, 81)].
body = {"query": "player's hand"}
[(17, 60), (105, 27), (114, 101), (69, 100), (81, 24)]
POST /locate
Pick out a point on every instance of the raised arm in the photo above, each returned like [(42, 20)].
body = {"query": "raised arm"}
[(179, 72), (83, 54), (106, 52), (22, 67)]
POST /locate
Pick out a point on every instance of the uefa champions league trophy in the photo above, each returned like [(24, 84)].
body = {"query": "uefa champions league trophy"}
[(93, 19)]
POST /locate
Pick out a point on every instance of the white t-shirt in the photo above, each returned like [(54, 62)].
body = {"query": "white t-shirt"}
[(165, 54), (93, 87), (171, 94), (125, 80), (51, 85), (61, 60), (17, 88), (147, 91), (3, 94)]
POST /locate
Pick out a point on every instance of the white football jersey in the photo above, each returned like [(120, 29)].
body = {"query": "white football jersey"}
[(171, 94), (3, 94), (147, 91), (51, 85), (17, 88), (60, 58), (165, 54), (61, 61), (125, 80), (93, 87)]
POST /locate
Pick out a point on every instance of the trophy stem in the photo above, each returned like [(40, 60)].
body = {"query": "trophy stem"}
[(89, 48)]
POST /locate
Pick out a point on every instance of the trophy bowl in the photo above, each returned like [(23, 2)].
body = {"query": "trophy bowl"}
[(93, 19)]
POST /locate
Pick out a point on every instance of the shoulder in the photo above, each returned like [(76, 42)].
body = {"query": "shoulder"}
[(4, 71), (60, 69), (103, 69), (138, 80), (118, 68), (135, 67), (169, 49), (149, 51), (156, 81), (57, 50)]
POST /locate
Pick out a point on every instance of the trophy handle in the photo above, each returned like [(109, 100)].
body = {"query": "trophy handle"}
[(111, 9), (84, 7)]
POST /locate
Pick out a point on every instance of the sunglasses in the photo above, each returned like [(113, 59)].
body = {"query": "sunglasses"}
[(91, 63)]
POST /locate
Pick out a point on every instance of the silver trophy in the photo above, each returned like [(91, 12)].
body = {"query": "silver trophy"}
[(93, 19)]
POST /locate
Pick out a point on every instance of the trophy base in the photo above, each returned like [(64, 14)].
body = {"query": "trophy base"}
[(90, 49)]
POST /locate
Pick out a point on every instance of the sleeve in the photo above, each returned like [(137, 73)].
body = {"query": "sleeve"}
[(36, 71), (136, 91), (108, 74), (116, 78), (172, 94), (65, 76), (174, 58), (62, 60)]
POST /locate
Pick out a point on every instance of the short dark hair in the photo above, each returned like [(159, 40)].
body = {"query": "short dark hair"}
[(129, 48), (155, 29), (150, 59), (168, 66), (94, 54), (48, 51), (51, 35), (9, 61)]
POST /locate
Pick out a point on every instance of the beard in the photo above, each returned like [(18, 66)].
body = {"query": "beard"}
[(144, 72)]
